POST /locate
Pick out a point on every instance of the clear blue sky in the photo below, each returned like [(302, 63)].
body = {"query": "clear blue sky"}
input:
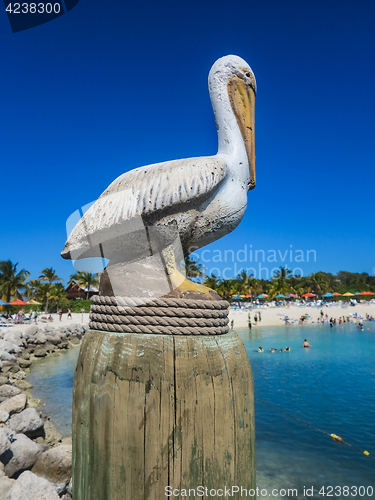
[(115, 85)]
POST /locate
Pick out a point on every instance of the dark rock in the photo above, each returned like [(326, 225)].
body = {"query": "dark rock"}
[(6, 357), (53, 339), (50, 347), (64, 344), (23, 453), (51, 434), (4, 417), (20, 375), (10, 366), (23, 385), (40, 352), (25, 354), (8, 391), (6, 439), (27, 422), (24, 363), (55, 464)]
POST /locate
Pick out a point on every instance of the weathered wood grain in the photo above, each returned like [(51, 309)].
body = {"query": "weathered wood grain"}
[(152, 410)]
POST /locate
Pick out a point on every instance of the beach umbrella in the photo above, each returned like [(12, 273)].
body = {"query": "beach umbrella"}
[(280, 296), (328, 295), (309, 295), (367, 293), (337, 294), (236, 297), (261, 297), (34, 302), (2, 303), (18, 302), (248, 296), (357, 293), (348, 294)]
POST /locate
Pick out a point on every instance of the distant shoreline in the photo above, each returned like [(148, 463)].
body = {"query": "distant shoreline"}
[(274, 316)]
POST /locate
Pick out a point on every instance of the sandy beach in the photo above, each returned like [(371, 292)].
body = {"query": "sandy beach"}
[(78, 318), (274, 316), (271, 316)]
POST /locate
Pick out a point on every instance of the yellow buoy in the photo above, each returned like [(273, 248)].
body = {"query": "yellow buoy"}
[(366, 453), (336, 437)]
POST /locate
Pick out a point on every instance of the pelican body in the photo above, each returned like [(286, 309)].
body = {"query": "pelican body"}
[(194, 200)]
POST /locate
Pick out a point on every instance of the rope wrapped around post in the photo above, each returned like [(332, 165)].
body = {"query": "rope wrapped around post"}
[(165, 316)]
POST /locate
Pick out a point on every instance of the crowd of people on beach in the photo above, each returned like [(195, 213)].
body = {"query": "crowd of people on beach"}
[(21, 317)]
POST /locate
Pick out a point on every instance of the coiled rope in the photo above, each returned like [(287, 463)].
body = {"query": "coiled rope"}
[(159, 316)]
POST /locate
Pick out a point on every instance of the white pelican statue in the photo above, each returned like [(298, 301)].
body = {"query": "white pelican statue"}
[(196, 200)]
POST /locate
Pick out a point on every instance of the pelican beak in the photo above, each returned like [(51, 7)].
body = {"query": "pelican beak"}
[(242, 99)]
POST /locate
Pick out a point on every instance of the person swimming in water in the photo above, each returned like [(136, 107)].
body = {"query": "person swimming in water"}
[(306, 344), (287, 349), (260, 349)]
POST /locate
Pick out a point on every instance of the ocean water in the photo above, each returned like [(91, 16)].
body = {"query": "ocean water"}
[(301, 397), (52, 378)]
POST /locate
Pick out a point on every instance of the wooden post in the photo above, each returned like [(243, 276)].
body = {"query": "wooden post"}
[(152, 411)]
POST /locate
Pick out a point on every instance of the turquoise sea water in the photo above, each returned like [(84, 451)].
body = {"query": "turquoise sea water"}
[(301, 396)]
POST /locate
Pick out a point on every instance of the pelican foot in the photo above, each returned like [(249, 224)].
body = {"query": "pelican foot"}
[(190, 286)]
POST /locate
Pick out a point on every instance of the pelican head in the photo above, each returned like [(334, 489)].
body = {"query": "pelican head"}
[(232, 87)]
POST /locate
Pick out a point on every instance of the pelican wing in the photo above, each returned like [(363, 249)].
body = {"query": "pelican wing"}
[(143, 191)]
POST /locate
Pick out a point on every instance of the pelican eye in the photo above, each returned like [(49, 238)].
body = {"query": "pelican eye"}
[(248, 75)]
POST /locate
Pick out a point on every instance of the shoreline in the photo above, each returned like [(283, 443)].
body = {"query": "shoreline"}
[(275, 316), (33, 453)]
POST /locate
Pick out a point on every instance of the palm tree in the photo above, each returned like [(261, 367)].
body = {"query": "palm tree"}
[(33, 288), (49, 274), (279, 283), (12, 282), (211, 281), (318, 283), (193, 269), (85, 280)]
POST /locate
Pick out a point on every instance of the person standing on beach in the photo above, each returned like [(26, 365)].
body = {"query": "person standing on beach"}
[(60, 314), (260, 317), (232, 324), (69, 314), (255, 319)]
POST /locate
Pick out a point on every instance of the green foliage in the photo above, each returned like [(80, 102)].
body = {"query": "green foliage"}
[(76, 305), (193, 269), (85, 280), (12, 281), (49, 290)]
